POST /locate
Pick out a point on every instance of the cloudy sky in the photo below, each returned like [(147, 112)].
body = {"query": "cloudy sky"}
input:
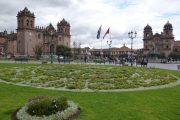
[(86, 16)]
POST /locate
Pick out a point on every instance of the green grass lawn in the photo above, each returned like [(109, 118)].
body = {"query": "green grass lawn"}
[(161, 104)]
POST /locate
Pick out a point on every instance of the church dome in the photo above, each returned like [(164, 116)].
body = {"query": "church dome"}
[(168, 26), (147, 27), (25, 12), (63, 22)]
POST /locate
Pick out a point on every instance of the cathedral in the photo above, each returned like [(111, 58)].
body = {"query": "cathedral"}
[(160, 43), (29, 35)]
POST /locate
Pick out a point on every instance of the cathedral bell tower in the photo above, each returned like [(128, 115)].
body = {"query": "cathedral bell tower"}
[(25, 31), (63, 29), (168, 30), (168, 38), (148, 34)]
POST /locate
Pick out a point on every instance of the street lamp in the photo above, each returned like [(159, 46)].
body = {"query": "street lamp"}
[(109, 44), (132, 35)]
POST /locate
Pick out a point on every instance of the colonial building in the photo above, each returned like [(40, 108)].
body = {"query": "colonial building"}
[(160, 43), (116, 52), (29, 35)]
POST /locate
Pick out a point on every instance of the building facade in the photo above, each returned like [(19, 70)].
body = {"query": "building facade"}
[(113, 52), (163, 43), (29, 35)]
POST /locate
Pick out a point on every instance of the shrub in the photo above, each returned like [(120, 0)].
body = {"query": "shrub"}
[(44, 105)]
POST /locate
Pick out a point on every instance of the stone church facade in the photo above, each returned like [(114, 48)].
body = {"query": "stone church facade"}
[(28, 36), (160, 43)]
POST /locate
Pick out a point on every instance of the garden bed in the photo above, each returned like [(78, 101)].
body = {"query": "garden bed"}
[(47, 108), (92, 77)]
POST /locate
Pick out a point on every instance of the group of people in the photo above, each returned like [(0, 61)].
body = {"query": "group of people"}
[(116, 60)]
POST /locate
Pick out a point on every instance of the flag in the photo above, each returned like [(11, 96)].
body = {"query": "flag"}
[(99, 32), (107, 32)]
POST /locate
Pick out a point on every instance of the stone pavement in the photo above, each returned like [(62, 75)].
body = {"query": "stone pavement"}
[(173, 66), (164, 66)]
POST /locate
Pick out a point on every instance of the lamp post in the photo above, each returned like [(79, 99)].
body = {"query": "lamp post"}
[(109, 44), (132, 35)]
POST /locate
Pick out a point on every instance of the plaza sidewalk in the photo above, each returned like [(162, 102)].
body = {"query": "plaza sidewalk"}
[(174, 66)]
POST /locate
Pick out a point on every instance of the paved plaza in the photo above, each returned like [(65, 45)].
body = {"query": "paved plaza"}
[(169, 66), (174, 66)]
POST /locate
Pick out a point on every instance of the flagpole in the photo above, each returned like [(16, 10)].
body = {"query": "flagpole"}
[(110, 35), (101, 46), (110, 42), (101, 53)]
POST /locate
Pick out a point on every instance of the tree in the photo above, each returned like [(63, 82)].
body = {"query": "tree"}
[(38, 51), (162, 55), (175, 55), (64, 51)]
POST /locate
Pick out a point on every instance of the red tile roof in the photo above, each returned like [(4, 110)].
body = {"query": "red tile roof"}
[(121, 49), (177, 43)]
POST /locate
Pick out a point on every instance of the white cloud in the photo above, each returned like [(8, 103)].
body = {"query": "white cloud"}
[(85, 17)]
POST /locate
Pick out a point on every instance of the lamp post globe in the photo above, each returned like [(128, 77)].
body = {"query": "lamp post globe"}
[(132, 35), (109, 44)]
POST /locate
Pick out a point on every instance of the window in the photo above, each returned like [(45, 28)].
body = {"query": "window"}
[(147, 35), (31, 23), (27, 22), (22, 23), (39, 36), (167, 32), (59, 38), (19, 23)]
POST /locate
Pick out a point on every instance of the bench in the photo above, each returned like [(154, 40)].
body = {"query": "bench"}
[(21, 59), (120, 62), (99, 61)]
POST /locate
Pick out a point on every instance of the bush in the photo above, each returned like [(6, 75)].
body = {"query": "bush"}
[(44, 105), (44, 62)]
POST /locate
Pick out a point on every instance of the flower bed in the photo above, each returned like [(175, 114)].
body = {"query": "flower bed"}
[(86, 76), (39, 110)]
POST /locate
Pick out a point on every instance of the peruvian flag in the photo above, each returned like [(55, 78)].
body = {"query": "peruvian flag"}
[(107, 32)]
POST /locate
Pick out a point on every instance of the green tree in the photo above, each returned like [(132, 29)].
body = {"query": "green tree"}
[(162, 55), (175, 55), (64, 51), (38, 51)]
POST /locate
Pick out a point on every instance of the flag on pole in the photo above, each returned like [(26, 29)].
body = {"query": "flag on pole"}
[(99, 32), (107, 32)]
